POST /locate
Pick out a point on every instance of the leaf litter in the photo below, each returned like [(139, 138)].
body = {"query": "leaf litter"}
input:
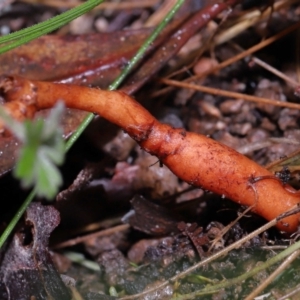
[(239, 126)]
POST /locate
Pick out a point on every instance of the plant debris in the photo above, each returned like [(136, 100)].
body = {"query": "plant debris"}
[(175, 240), (26, 268)]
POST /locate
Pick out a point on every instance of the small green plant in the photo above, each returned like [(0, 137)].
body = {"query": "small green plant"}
[(43, 149)]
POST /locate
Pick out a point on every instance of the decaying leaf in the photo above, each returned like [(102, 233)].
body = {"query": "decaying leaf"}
[(146, 216), (26, 269)]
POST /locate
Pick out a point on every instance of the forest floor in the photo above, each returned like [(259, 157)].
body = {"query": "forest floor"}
[(127, 223)]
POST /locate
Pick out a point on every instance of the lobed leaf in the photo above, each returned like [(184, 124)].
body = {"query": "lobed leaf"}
[(42, 151)]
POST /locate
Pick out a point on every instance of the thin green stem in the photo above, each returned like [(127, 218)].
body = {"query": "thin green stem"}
[(28, 34), (74, 137), (16, 218)]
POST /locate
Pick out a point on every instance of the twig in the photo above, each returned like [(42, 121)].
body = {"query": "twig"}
[(268, 67), (279, 270), (160, 13), (292, 293), (270, 141), (228, 227), (223, 93), (247, 52), (237, 57), (81, 239), (249, 19)]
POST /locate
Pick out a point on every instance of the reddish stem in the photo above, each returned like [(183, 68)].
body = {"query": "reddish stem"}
[(194, 158)]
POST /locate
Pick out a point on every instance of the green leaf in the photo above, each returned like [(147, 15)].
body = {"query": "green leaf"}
[(25, 165), (43, 149), (48, 177)]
